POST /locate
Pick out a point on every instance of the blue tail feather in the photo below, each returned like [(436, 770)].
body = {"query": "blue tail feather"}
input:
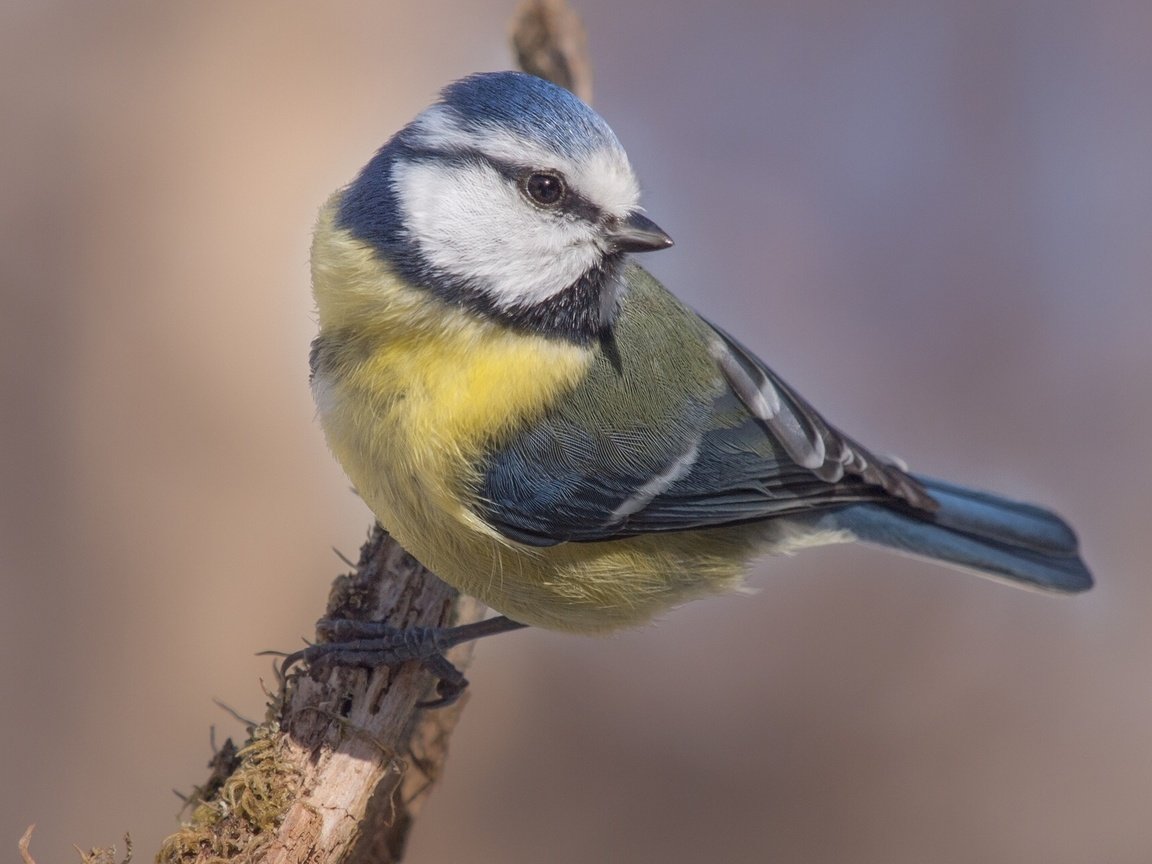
[(975, 530)]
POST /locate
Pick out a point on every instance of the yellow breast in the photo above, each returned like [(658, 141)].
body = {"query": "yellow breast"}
[(412, 392)]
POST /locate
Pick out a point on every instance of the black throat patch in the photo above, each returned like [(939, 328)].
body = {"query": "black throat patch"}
[(582, 313)]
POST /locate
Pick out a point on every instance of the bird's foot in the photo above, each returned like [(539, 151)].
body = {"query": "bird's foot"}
[(369, 644)]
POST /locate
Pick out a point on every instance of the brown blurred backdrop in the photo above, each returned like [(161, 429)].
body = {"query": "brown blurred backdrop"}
[(932, 217)]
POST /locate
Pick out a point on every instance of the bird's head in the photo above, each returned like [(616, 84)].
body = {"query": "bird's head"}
[(511, 197)]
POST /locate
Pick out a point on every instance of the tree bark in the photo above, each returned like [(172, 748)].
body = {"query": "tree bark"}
[(343, 762)]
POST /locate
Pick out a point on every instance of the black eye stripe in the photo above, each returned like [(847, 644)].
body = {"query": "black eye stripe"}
[(574, 203), (580, 207)]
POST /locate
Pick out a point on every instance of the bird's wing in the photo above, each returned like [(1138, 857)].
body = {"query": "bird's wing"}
[(750, 449), (804, 435)]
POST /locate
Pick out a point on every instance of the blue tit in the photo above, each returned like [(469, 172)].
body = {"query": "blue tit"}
[(542, 424)]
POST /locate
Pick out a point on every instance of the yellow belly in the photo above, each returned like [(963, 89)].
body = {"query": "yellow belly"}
[(409, 431), (412, 394)]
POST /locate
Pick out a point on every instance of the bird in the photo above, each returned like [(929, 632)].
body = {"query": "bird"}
[(545, 426)]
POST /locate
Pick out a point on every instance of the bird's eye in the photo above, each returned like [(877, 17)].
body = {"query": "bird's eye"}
[(544, 189)]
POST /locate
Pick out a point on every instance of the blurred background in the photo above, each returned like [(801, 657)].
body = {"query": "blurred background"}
[(934, 218)]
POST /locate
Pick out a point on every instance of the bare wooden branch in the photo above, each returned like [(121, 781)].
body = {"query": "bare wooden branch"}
[(338, 771), (549, 40), (25, 842)]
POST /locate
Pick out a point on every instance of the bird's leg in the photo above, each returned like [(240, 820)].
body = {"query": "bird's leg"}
[(369, 644)]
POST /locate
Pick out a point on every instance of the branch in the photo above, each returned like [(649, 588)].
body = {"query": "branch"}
[(338, 771), (550, 41)]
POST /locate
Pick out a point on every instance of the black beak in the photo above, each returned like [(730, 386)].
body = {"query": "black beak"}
[(637, 233)]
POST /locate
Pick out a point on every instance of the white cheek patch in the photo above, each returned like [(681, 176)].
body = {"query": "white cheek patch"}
[(471, 222), (604, 177)]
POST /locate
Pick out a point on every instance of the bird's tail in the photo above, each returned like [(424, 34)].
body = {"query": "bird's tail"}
[(976, 531)]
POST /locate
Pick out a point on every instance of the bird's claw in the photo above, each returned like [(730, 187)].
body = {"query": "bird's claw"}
[(371, 644)]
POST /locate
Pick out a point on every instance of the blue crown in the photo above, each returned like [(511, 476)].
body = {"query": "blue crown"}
[(531, 108)]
